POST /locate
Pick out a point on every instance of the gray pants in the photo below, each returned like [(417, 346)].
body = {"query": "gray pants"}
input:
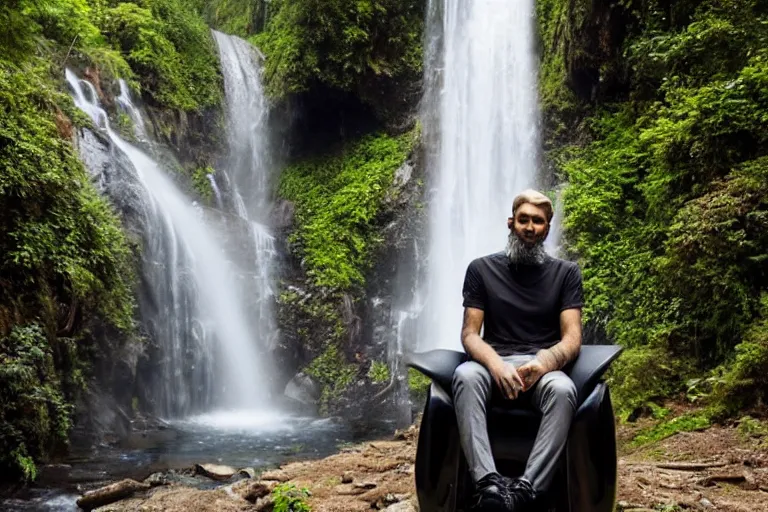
[(554, 395)]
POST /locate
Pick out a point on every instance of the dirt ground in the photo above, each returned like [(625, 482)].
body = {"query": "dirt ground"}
[(717, 469)]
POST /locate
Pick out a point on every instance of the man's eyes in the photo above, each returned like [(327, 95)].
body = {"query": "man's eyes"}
[(536, 220)]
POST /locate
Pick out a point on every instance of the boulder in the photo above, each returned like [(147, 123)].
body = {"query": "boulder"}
[(303, 389), (215, 471)]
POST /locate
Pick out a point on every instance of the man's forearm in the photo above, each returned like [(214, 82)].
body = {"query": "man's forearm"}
[(560, 354), (479, 350)]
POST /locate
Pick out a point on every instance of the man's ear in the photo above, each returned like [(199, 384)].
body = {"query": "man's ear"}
[(510, 222)]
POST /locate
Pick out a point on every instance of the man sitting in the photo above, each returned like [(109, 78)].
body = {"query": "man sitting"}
[(529, 304)]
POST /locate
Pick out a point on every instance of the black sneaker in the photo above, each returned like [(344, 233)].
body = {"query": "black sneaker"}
[(520, 496), (491, 494)]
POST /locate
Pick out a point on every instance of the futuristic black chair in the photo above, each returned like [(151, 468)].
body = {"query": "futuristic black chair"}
[(586, 477)]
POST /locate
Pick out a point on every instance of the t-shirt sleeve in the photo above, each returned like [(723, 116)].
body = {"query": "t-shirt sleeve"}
[(572, 292), (474, 288)]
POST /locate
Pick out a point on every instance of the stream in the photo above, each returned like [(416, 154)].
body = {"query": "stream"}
[(238, 438)]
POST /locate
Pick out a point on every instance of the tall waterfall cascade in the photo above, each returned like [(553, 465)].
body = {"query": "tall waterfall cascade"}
[(248, 165), (192, 303), (481, 127)]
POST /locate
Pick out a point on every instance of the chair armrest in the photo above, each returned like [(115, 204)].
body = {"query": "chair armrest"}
[(438, 365), (589, 366)]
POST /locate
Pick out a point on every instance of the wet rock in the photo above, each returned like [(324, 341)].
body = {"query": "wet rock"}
[(110, 494), (53, 474), (402, 506), (282, 214), (254, 490), (215, 471), (156, 479), (364, 485), (247, 473), (277, 476), (303, 389), (265, 504)]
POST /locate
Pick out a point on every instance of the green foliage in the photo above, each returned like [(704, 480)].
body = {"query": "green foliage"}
[(641, 375), (340, 43), (170, 48), (688, 422), (743, 379), (379, 372), (57, 236), (554, 26), (288, 498), (201, 183), (337, 200), (418, 384), (69, 24), (239, 17), (333, 373), (666, 207), (750, 427), (64, 261), (34, 416)]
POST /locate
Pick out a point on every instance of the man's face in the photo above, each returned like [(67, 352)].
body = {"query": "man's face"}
[(529, 224)]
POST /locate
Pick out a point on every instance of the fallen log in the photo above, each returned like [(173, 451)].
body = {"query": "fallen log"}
[(689, 466), (110, 494), (729, 478)]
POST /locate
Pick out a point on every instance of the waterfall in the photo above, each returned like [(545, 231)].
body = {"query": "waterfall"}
[(207, 355), (248, 164), (481, 122)]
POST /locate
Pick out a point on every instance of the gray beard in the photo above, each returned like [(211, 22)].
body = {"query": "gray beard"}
[(519, 253)]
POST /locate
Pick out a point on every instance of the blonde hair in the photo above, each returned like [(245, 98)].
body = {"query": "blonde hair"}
[(535, 198)]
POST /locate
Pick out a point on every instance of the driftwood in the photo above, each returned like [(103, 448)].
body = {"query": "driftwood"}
[(110, 494)]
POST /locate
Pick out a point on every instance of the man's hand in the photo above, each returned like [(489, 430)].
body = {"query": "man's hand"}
[(507, 379), (531, 372)]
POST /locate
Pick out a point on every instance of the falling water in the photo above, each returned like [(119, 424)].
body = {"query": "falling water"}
[(124, 100), (193, 310), (216, 191), (482, 107), (248, 164)]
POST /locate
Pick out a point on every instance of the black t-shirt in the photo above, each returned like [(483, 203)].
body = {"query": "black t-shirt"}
[(522, 303)]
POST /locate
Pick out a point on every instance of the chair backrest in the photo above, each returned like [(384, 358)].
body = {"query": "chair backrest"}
[(585, 371)]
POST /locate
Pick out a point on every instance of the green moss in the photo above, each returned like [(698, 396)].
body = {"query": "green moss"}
[(686, 423), (337, 200), (333, 372), (379, 372), (339, 43)]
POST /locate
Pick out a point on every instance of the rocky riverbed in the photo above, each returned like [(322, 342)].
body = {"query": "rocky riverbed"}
[(722, 468)]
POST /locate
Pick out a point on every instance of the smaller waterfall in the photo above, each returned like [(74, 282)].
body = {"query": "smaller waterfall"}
[(193, 308), (124, 100), (216, 191)]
